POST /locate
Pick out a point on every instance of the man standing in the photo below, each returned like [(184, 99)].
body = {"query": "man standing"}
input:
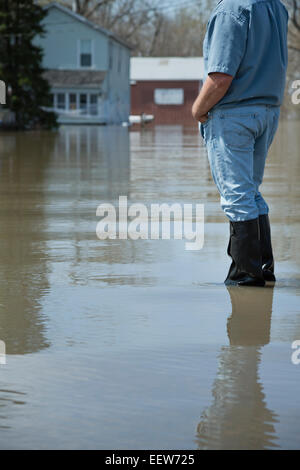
[(245, 57)]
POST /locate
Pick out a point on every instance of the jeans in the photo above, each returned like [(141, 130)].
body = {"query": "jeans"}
[(237, 141)]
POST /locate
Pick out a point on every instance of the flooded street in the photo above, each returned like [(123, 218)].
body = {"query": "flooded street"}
[(123, 344)]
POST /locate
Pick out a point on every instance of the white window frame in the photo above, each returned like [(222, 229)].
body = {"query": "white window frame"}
[(90, 104), (56, 100), (87, 103), (89, 67), (78, 109), (76, 95)]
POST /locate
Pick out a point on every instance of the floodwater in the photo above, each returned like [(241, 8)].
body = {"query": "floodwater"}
[(137, 344)]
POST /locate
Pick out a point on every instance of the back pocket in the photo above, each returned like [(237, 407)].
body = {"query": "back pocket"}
[(239, 131)]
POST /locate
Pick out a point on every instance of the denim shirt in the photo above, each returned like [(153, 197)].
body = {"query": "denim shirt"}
[(248, 40)]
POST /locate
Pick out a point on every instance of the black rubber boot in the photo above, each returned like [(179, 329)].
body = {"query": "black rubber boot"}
[(266, 248), (245, 250)]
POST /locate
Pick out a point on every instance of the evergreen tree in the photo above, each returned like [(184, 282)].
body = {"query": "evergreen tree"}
[(20, 64)]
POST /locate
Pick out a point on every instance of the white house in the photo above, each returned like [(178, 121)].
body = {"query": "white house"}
[(87, 67)]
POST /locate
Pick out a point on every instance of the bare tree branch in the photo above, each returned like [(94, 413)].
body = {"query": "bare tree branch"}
[(90, 12), (295, 15), (157, 29)]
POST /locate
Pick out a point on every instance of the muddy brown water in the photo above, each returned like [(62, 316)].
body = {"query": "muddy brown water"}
[(123, 344)]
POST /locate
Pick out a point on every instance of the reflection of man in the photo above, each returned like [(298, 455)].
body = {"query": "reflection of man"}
[(238, 417), (245, 56)]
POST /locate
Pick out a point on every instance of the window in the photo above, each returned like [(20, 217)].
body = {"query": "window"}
[(83, 103), (72, 101), (52, 102), (86, 53), (87, 103), (61, 100), (93, 105), (169, 96)]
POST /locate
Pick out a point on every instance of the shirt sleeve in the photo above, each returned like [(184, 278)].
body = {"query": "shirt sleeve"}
[(226, 43)]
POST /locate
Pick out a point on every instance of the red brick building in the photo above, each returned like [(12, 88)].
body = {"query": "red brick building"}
[(165, 87)]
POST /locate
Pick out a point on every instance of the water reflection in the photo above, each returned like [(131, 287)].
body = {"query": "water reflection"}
[(238, 417), (90, 166), (130, 309), (23, 261), (93, 160), (8, 400), (162, 171)]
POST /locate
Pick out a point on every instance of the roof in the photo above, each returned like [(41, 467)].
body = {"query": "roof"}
[(74, 78), (166, 68), (89, 23)]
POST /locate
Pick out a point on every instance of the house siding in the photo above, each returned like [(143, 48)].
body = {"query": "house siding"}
[(61, 42), (61, 52)]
